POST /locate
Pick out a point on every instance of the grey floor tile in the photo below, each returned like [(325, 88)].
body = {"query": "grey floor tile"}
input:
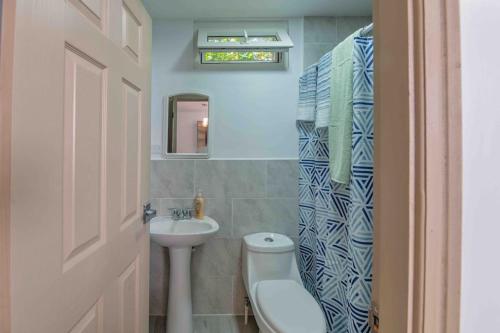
[(209, 324), (224, 324)]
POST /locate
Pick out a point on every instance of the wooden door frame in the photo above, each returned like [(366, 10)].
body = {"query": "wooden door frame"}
[(418, 165), (6, 68), (438, 273)]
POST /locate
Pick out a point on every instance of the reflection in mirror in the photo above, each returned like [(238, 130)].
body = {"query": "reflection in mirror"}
[(188, 125)]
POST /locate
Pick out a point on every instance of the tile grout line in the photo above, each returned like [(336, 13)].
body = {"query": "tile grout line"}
[(266, 178), (232, 217), (233, 296), (195, 169), (181, 198), (270, 198)]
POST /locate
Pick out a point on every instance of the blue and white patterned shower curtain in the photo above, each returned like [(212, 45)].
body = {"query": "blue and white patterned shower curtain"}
[(336, 224)]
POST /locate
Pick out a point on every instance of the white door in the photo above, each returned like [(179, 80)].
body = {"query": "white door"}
[(80, 171)]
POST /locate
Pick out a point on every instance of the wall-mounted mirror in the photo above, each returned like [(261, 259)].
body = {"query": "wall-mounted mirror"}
[(186, 126)]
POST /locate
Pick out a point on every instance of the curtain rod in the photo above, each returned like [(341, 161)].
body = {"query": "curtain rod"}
[(366, 30)]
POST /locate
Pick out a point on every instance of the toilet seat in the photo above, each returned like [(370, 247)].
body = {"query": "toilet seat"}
[(288, 308)]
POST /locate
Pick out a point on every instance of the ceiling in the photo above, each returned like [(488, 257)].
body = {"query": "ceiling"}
[(205, 9)]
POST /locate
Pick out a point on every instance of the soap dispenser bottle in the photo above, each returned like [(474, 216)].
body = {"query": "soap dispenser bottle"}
[(199, 206)]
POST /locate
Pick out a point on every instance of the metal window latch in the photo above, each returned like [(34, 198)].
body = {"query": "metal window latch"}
[(148, 213), (246, 36)]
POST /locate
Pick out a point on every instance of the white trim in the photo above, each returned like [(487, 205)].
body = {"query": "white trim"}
[(283, 44), (183, 156)]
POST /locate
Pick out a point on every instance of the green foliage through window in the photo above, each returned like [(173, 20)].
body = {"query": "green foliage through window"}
[(240, 57)]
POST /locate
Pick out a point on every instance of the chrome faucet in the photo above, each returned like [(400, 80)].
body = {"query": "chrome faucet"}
[(181, 213)]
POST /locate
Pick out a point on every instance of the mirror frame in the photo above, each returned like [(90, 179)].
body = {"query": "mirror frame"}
[(195, 95)]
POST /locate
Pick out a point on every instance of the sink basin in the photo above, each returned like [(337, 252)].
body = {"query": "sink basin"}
[(193, 232), (180, 237)]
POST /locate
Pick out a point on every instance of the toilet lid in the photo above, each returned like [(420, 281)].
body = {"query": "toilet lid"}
[(288, 308)]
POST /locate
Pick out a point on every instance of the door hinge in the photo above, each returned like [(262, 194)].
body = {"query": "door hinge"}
[(374, 319)]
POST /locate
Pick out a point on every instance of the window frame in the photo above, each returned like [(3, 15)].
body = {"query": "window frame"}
[(281, 47), (283, 43)]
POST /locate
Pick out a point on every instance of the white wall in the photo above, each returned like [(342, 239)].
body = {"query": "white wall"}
[(252, 112), (481, 148)]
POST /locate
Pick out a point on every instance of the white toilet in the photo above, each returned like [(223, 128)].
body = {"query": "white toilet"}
[(279, 300)]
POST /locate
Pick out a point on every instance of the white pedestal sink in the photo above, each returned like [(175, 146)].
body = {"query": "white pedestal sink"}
[(180, 236)]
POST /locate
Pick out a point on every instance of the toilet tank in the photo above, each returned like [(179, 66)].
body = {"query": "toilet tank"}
[(268, 256)]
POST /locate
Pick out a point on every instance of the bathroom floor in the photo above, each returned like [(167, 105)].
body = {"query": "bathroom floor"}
[(210, 324)]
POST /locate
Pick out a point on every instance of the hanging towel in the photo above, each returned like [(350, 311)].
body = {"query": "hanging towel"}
[(360, 225), (323, 94), (340, 125), (335, 220), (306, 110)]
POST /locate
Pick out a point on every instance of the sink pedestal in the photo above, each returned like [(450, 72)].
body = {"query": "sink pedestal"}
[(180, 237), (179, 316)]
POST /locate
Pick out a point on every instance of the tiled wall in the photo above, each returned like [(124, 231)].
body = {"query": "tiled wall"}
[(243, 196), (322, 34)]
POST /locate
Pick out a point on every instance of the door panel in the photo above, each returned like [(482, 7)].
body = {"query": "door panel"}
[(91, 321), (80, 166), (84, 157), (131, 32), (131, 185), (129, 298), (94, 10)]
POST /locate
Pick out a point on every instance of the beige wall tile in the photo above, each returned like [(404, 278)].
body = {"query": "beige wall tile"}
[(172, 179), (282, 179), (231, 178), (265, 215), (216, 266), (212, 295), (217, 257)]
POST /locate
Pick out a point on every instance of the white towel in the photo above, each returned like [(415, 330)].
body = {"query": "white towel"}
[(306, 110), (323, 100)]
